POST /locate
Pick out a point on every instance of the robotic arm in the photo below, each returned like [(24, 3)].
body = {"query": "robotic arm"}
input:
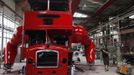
[(10, 50), (80, 35)]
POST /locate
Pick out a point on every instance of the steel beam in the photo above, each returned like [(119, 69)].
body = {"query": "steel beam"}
[(2, 36), (103, 7), (85, 12), (75, 4)]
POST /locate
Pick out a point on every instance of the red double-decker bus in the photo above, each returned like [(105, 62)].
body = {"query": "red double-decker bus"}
[(46, 38)]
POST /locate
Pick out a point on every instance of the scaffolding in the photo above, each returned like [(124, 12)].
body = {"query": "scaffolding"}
[(108, 35)]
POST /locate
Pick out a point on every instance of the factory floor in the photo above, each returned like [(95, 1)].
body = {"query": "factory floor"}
[(99, 70)]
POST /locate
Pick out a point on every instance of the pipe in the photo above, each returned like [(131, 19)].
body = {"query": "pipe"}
[(104, 7), (2, 36), (101, 9)]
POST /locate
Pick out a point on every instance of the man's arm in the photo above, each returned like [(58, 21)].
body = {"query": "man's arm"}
[(105, 51)]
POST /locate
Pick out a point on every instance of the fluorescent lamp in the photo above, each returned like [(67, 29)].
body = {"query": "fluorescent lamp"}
[(77, 14), (131, 17)]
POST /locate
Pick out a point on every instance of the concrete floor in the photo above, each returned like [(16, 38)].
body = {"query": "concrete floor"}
[(15, 70), (99, 70)]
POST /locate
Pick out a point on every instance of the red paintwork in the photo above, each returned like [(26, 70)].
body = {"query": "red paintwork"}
[(76, 34), (63, 22), (80, 35), (61, 70), (10, 50)]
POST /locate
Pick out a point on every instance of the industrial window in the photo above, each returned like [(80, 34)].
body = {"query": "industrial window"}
[(9, 25)]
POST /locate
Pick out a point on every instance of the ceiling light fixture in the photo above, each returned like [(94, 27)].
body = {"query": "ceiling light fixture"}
[(80, 15), (131, 17)]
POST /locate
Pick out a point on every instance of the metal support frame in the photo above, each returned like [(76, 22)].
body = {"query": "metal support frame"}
[(119, 44), (116, 19), (104, 7), (101, 9), (2, 35)]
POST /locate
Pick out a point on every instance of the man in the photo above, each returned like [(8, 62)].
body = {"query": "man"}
[(105, 55)]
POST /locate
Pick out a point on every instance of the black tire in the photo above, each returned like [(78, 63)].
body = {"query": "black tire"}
[(71, 70), (7, 66), (23, 70), (78, 59)]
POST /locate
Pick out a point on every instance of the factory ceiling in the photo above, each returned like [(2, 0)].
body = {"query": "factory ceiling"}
[(90, 12), (101, 10)]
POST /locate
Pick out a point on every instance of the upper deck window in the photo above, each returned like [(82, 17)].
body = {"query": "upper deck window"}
[(53, 5), (38, 5), (59, 5)]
